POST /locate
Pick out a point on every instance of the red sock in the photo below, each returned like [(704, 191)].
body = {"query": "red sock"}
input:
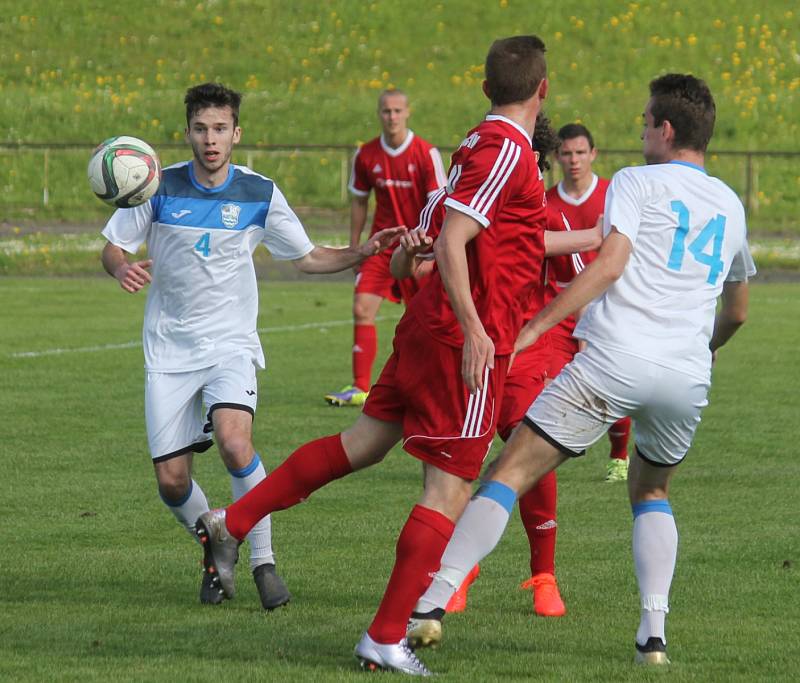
[(618, 436), (365, 348), (310, 467), (419, 554), (537, 508)]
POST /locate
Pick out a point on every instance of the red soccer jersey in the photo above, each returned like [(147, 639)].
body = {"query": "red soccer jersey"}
[(494, 178), (402, 179), (568, 213)]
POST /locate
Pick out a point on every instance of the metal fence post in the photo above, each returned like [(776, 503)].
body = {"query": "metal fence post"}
[(46, 181)]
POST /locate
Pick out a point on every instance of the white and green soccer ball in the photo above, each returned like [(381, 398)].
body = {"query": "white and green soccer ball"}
[(124, 171)]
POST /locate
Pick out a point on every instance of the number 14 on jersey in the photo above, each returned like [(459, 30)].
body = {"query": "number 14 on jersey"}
[(714, 230)]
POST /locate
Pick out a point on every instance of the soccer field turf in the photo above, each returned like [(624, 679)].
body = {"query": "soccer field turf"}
[(100, 583)]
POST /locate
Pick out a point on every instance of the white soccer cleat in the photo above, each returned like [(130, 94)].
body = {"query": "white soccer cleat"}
[(220, 550), (392, 657)]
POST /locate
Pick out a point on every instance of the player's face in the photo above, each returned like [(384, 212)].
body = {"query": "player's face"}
[(654, 145), (212, 135), (393, 112), (575, 156)]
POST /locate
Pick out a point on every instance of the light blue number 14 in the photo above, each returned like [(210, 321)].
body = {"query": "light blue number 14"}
[(715, 229), (203, 245)]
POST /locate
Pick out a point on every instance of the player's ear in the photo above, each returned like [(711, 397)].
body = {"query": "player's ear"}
[(667, 132), (543, 89), (237, 134)]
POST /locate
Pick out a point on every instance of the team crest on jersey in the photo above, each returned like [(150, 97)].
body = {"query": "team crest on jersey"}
[(230, 215)]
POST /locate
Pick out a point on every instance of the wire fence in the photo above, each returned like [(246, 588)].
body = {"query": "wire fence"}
[(48, 178)]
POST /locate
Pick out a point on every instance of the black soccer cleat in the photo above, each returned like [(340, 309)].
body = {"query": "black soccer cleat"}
[(653, 652)]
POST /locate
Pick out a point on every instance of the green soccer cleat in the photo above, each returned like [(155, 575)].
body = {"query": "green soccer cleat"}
[(617, 470), (347, 396)]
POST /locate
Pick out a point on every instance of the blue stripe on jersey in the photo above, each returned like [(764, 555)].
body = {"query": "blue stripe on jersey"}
[(652, 506), (243, 200), (689, 164)]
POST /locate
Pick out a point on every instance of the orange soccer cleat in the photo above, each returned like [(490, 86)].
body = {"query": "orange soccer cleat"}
[(547, 600), (458, 603)]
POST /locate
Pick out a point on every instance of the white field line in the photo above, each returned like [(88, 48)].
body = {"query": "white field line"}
[(134, 344)]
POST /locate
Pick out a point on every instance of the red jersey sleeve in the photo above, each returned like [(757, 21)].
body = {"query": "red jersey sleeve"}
[(480, 183), (359, 178)]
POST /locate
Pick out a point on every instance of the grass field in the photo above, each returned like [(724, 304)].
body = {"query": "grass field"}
[(100, 584), (81, 71)]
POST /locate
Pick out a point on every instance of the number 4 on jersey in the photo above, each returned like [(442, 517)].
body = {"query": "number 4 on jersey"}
[(203, 245), (715, 229)]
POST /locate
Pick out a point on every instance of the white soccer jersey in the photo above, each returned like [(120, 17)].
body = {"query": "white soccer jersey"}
[(689, 236), (202, 304)]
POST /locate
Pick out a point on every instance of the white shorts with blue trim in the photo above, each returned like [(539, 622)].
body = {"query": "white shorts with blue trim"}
[(600, 386), (178, 405)]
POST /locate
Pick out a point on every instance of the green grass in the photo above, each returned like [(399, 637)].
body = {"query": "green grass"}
[(81, 71), (100, 583)]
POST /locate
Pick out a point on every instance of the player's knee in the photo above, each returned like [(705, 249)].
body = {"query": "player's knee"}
[(236, 450), (173, 488), (363, 315)]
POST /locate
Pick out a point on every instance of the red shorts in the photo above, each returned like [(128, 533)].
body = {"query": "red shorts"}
[(375, 277), (563, 351), (524, 383), (421, 386)]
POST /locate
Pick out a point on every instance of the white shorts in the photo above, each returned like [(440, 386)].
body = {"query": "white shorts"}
[(601, 386), (174, 404)]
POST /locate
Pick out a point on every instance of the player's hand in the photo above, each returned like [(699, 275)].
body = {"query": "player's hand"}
[(134, 276), (383, 239), (415, 242), (477, 355), (597, 234)]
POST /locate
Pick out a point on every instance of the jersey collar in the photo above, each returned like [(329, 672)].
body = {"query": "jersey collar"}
[(567, 199), (203, 188), (689, 164), (397, 151), (497, 117)]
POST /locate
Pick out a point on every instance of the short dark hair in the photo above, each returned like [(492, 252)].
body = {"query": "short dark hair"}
[(545, 141), (575, 130), (208, 95), (686, 102), (514, 69)]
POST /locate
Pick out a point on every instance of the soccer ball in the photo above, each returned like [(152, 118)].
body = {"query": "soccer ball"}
[(124, 171)]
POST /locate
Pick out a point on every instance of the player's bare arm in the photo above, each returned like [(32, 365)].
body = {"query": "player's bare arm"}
[(358, 218), (405, 260), (732, 313), (560, 242), (333, 260), (131, 276), (451, 257), (587, 286)]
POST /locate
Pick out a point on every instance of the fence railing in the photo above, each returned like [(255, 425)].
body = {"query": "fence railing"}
[(51, 175)]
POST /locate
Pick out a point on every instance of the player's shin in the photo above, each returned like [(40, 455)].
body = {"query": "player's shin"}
[(479, 529), (309, 468), (188, 508), (655, 549), (260, 536)]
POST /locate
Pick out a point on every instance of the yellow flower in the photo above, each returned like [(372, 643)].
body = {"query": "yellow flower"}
[(692, 39), (614, 21), (218, 20)]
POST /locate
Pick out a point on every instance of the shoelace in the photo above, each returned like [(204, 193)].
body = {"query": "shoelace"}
[(415, 662)]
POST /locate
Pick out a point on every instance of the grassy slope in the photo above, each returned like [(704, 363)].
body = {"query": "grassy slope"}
[(100, 583), (311, 72)]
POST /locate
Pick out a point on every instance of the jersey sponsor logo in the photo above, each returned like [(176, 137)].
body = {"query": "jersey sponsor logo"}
[(230, 215), (391, 182), (181, 213), (376, 168)]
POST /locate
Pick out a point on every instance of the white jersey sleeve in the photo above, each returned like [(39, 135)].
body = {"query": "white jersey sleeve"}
[(624, 199), (742, 266), (129, 228), (285, 236)]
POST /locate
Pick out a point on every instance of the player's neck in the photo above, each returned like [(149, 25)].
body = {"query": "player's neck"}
[(210, 179), (690, 156), (577, 188), (522, 113), (395, 140)]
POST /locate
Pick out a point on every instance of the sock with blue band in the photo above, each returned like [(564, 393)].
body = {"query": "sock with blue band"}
[(655, 550), (476, 534), (260, 536), (188, 508)]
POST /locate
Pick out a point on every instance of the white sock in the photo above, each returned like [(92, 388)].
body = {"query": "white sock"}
[(476, 534), (189, 508), (260, 537), (655, 549)]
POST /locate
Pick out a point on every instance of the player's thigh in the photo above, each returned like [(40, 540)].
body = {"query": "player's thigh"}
[(445, 492), (666, 422), (525, 459), (369, 439), (174, 413), (648, 481)]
